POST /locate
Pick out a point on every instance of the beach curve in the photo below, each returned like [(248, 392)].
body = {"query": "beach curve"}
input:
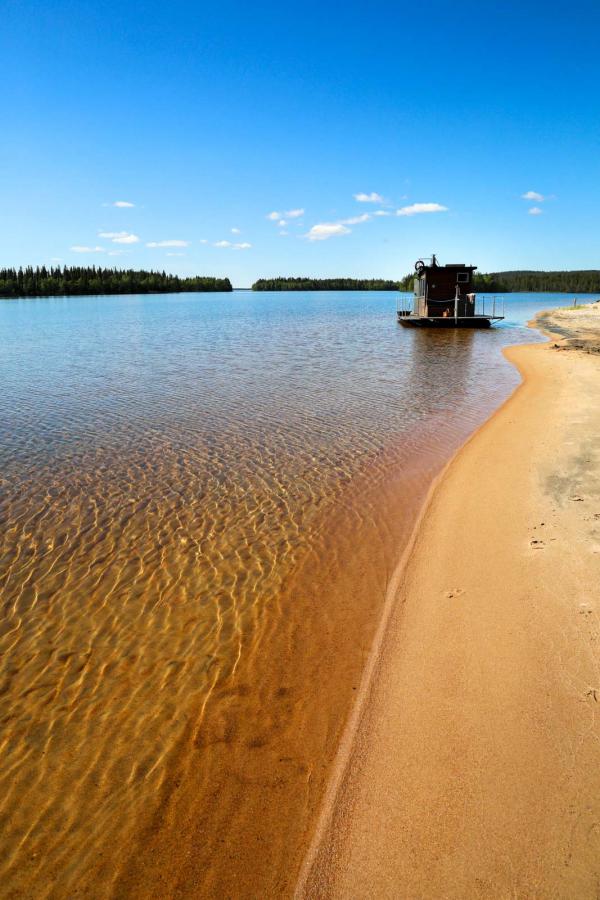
[(455, 777)]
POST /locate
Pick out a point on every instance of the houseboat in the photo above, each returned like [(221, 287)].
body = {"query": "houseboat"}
[(444, 298)]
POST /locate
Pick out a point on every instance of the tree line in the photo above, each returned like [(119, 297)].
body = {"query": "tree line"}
[(324, 284), (580, 281), (78, 280)]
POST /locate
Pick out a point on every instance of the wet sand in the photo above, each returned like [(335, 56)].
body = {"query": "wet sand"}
[(471, 766)]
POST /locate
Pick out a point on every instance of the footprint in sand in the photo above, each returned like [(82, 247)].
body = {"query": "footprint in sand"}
[(455, 592), (536, 544)]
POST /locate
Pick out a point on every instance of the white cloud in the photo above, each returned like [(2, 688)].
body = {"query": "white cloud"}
[(356, 220), (123, 204), (119, 237), (168, 244), (235, 231), (282, 223), (229, 245), (326, 230), (79, 249), (416, 208), (533, 195), (369, 198), (203, 241), (382, 212), (276, 216), (535, 211)]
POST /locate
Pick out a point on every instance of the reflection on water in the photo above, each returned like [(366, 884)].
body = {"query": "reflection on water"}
[(202, 498)]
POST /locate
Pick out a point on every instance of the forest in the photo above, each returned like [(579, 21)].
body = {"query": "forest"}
[(324, 284), (578, 281), (584, 281), (77, 280)]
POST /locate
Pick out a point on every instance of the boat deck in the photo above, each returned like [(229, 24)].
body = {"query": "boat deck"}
[(411, 321)]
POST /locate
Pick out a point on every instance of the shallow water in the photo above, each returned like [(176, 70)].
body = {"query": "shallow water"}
[(202, 500)]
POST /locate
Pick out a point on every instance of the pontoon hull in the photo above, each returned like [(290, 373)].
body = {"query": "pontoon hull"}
[(448, 322)]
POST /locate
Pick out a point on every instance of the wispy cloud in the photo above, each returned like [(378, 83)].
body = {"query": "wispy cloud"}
[(326, 230), (533, 195), (535, 211), (79, 249), (369, 198), (356, 220), (203, 241), (168, 244), (123, 204), (382, 212), (277, 216), (416, 208), (119, 237), (235, 231), (229, 245)]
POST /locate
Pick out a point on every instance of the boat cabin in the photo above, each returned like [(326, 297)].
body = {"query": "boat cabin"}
[(444, 296), (443, 290)]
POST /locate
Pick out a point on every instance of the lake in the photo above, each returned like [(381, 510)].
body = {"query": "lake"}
[(203, 499)]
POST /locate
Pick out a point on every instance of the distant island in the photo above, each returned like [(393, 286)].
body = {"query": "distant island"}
[(71, 281), (584, 281), (325, 284)]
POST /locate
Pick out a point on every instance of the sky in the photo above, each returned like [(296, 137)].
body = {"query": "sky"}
[(315, 138)]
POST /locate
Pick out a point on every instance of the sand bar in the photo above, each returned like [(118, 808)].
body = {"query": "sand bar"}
[(474, 766)]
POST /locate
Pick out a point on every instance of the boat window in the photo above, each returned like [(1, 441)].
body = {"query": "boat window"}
[(462, 277)]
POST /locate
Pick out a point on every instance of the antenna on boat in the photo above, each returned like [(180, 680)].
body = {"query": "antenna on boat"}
[(433, 260)]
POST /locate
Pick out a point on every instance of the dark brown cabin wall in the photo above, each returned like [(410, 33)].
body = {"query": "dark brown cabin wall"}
[(441, 283), (441, 287)]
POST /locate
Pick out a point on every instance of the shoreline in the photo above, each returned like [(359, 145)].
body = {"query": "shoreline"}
[(354, 848), (340, 766)]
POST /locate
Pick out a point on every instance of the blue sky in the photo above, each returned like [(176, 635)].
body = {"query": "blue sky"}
[(205, 119)]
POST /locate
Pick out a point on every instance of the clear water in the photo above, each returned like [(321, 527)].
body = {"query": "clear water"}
[(192, 486)]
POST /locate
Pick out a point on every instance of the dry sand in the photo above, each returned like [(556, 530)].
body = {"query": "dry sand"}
[(473, 768)]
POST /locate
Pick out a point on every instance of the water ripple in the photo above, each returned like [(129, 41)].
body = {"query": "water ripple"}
[(179, 476)]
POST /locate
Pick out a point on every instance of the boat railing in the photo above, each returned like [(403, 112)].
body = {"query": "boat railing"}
[(404, 305), (488, 305)]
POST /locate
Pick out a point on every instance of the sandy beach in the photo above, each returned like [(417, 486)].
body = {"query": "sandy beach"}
[(471, 766)]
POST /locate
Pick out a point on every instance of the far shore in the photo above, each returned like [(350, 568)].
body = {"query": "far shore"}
[(471, 767)]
